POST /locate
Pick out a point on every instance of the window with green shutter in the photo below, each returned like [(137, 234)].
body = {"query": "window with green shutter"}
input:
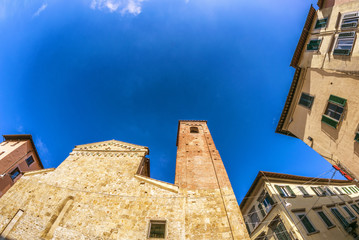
[(281, 232), (355, 207), (262, 210), (302, 189), (350, 20), (306, 223), (306, 100), (340, 217), (325, 219), (334, 111), (313, 44), (321, 23)]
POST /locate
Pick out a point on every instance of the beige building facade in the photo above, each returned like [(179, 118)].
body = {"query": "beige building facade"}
[(322, 107), (18, 155), (288, 207), (104, 190)]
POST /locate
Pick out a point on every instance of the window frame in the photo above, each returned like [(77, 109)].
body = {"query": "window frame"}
[(311, 101), (320, 27), (329, 120), (13, 172), (320, 193), (164, 222), (305, 192), (319, 40), (253, 212), (305, 216), (193, 130), (326, 216), (339, 218), (29, 164), (338, 50), (345, 17), (346, 209)]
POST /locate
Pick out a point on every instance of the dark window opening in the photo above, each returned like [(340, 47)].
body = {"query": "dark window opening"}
[(157, 229), (15, 173), (306, 100), (194, 130), (29, 161)]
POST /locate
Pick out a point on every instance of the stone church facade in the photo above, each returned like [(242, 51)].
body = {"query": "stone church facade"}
[(104, 191)]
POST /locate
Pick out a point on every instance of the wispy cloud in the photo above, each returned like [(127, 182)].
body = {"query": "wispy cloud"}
[(133, 7), (20, 129), (42, 8), (43, 150)]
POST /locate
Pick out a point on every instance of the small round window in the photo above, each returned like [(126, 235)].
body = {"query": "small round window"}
[(194, 130)]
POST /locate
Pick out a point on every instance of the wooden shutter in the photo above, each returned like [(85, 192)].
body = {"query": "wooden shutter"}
[(329, 121), (290, 191), (338, 100)]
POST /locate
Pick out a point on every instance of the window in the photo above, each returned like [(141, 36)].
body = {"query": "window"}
[(29, 161), (334, 111), (157, 229), (3, 143), (321, 23), (319, 191), (15, 143), (314, 45), (265, 203), (351, 215), (14, 173), (302, 189), (356, 136), (346, 190), (306, 100), (338, 190), (355, 207), (340, 217), (194, 130), (353, 189), (330, 192), (350, 20), (253, 218), (2, 152), (344, 43), (306, 223), (285, 191), (281, 232), (325, 219)]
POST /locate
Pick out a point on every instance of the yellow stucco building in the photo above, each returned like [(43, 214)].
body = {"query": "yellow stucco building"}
[(104, 190), (322, 107), (288, 207)]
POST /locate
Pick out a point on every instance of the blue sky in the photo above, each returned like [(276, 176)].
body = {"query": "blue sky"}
[(76, 72)]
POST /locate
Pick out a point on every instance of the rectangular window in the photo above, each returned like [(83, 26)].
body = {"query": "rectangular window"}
[(14, 173), (321, 23), (157, 229), (340, 217), (344, 43), (281, 232), (302, 189), (253, 217), (306, 100), (325, 219), (355, 207), (351, 215), (357, 136), (319, 191), (346, 190), (29, 161), (350, 20), (330, 192), (334, 111), (285, 191), (338, 190), (314, 45), (306, 223)]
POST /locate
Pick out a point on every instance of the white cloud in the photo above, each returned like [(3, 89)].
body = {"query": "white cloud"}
[(133, 7), (42, 8)]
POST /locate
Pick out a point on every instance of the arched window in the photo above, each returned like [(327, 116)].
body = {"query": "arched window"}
[(194, 130)]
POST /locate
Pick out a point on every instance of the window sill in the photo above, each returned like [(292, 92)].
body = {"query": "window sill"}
[(331, 227), (309, 234)]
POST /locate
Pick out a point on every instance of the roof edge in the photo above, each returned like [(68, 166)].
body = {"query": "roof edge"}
[(24, 137)]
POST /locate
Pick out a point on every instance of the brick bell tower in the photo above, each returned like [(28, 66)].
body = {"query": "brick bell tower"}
[(200, 173), (198, 165)]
